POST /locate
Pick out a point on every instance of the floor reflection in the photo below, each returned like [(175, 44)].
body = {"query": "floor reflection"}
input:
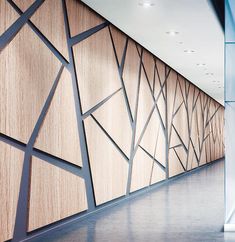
[(190, 208)]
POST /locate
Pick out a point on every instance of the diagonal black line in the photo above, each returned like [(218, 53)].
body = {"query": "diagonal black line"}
[(93, 109), (50, 46), (157, 162), (154, 155), (144, 129), (175, 146), (212, 116), (123, 58), (84, 35), (179, 160), (184, 146), (86, 169), (45, 108), (13, 142), (12, 31), (22, 206), (194, 150), (111, 139), (155, 103), (177, 110), (58, 162), (120, 70)]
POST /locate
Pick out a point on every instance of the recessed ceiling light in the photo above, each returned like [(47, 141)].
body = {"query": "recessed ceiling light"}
[(172, 33), (201, 64), (189, 51), (146, 3)]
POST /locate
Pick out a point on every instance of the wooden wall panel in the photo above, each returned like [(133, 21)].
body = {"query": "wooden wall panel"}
[(145, 106), (81, 18), (109, 168), (58, 134), (130, 73), (119, 40), (51, 25), (11, 162), (96, 69), (7, 15), (141, 173), (27, 71), (157, 174), (54, 194), (113, 116), (23, 5), (139, 122)]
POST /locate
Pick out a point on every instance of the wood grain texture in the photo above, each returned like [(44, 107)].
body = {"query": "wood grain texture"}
[(23, 4), (145, 106), (56, 192), (7, 15), (58, 134), (96, 69), (11, 162), (113, 117), (130, 73), (157, 174), (27, 71), (108, 167), (148, 62), (119, 40), (51, 25), (81, 18), (141, 173)]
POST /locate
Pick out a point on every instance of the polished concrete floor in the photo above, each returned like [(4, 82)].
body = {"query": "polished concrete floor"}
[(190, 208)]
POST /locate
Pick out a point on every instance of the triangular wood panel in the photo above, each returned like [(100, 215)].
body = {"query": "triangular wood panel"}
[(157, 174), (11, 163), (119, 40), (25, 82), (141, 170), (58, 134), (97, 69), (7, 15), (109, 169), (145, 106), (81, 18), (113, 116), (131, 73), (61, 194), (52, 25)]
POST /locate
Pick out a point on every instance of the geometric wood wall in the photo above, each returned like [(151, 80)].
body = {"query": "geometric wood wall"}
[(87, 115)]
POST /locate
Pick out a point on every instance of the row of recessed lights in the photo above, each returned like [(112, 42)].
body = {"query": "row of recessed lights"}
[(150, 3), (189, 51)]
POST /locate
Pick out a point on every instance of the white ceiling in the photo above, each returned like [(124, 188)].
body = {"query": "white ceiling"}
[(198, 28)]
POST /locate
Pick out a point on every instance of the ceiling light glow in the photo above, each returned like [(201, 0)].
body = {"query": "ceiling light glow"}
[(172, 33), (146, 3), (189, 51)]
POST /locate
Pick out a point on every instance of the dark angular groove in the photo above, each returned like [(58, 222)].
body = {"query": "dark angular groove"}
[(157, 162), (93, 109), (111, 139), (50, 46), (12, 31), (84, 35)]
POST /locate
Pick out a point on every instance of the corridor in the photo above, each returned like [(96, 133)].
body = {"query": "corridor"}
[(189, 208)]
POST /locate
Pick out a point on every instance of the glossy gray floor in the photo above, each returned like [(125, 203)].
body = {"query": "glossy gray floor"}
[(190, 208)]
